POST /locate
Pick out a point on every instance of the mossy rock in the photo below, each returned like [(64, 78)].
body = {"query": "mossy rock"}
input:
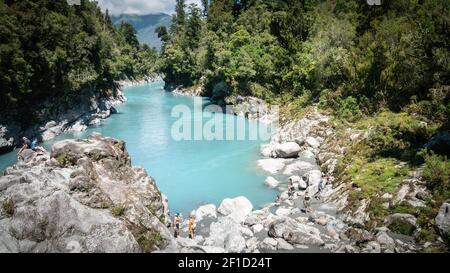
[(9, 207), (402, 228)]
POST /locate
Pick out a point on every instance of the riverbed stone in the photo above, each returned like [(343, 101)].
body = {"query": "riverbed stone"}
[(205, 211), (271, 182), (287, 150), (272, 165), (237, 208), (312, 142)]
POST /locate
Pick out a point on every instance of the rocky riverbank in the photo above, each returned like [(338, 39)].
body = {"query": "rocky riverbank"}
[(73, 113), (83, 197), (306, 152)]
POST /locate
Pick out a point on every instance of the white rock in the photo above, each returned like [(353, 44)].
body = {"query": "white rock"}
[(308, 154), (246, 231), (297, 180), (237, 208), (298, 167), (213, 249), (269, 244), (235, 243), (257, 228), (385, 240), (282, 244), (287, 150), (283, 211), (272, 165), (271, 182), (252, 244), (205, 211), (78, 127), (312, 142), (294, 232)]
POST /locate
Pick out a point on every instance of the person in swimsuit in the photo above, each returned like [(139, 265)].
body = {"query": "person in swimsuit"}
[(191, 227), (176, 225)]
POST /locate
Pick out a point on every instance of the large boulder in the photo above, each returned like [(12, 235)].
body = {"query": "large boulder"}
[(314, 178), (443, 221), (295, 232), (205, 211), (226, 233), (86, 198), (287, 150), (237, 208), (299, 182), (385, 241)]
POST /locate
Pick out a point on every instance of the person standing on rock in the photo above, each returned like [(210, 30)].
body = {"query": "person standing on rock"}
[(307, 202), (191, 227), (290, 190), (278, 201), (176, 225), (321, 186)]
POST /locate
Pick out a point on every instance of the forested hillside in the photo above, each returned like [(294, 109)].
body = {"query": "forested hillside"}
[(370, 56), (50, 49), (145, 26), (381, 71)]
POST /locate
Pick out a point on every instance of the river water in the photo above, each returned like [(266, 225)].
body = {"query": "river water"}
[(189, 172)]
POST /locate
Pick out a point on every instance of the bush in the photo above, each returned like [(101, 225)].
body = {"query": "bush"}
[(118, 211), (8, 207), (348, 109), (437, 172)]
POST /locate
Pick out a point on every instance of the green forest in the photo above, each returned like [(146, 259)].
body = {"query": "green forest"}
[(50, 49), (341, 53)]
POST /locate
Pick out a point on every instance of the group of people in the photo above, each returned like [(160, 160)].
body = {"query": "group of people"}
[(307, 198), (176, 223), (31, 145)]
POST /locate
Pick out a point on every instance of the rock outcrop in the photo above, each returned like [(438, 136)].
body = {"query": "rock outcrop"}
[(84, 197), (443, 221)]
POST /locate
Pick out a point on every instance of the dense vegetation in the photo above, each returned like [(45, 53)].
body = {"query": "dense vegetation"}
[(49, 49), (382, 70)]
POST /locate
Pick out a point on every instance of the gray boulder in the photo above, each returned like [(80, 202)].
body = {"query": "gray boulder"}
[(294, 232), (287, 150), (443, 221), (237, 208)]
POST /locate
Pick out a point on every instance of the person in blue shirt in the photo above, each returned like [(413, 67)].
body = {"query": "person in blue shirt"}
[(38, 149)]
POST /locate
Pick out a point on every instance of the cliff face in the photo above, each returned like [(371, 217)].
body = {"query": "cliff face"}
[(83, 197)]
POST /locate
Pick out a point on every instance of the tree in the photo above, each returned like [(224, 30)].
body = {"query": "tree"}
[(129, 33), (193, 26), (179, 19)]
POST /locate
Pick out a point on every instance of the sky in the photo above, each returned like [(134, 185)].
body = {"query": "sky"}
[(140, 7)]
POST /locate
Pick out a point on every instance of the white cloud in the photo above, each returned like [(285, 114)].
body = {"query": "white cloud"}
[(140, 7)]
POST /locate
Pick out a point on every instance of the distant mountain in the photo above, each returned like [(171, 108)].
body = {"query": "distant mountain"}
[(145, 26)]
